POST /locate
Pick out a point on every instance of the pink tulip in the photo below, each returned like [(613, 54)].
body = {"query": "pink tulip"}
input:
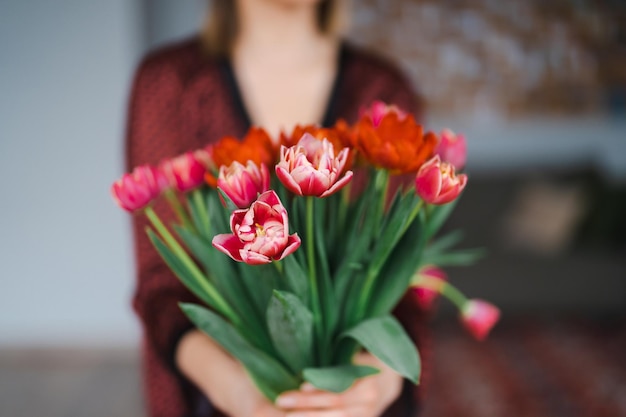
[(136, 190), (184, 172), (436, 182), (479, 317), (242, 184), (379, 109), (205, 157), (260, 233), (452, 148), (426, 295), (310, 168)]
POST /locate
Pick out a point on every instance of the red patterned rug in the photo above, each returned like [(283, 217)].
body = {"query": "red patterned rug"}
[(530, 368)]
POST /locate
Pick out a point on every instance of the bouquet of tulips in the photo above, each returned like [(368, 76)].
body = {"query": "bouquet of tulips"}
[(301, 269)]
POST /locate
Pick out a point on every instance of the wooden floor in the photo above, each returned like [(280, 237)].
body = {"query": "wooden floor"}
[(528, 368), (69, 384)]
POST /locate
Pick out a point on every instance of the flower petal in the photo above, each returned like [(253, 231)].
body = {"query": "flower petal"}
[(287, 180), (253, 258), (229, 244), (339, 184), (428, 183), (293, 243)]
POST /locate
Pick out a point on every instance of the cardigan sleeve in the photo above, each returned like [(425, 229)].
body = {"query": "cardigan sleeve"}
[(152, 129)]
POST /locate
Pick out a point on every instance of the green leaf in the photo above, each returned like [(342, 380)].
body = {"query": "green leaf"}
[(268, 374), (296, 278), (331, 214), (219, 216), (291, 328), (221, 270), (199, 247), (325, 287), (230, 206), (356, 243), (195, 215), (337, 378), (401, 265), (179, 268), (220, 267), (445, 242), (457, 258), (393, 232), (259, 281), (385, 338), (386, 245)]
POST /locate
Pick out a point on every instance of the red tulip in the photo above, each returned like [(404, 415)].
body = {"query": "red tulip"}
[(479, 317), (260, 233), (426, 295), (136, 190), (388, 138), (436, 182), (379, 109), (243, 184), (184, 172), (310, 168), (452, 148)]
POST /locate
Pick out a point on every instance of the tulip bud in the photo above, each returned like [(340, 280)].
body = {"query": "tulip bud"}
[(184, 172), (452, 148), (243, 184), (436, 182), (478, 317), (136, 190)]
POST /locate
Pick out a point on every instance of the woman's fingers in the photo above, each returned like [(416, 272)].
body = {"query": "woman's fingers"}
[(347, 412), (363, 392), (294, 400)]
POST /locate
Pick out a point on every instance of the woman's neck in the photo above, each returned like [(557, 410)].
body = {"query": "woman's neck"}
[(279, 32)]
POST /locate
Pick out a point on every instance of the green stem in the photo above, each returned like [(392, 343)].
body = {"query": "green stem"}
[(444, 288), (202, 211), (279, 267), (182, 255), (310, 250), (178, 208), (427, 212)]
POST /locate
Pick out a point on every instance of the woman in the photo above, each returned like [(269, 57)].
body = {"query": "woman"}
[(272, 63)]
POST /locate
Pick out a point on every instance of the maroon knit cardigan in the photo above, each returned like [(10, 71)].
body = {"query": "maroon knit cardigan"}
[(182, 100)]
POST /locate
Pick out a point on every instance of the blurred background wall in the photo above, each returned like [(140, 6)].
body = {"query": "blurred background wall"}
[(65, 72)]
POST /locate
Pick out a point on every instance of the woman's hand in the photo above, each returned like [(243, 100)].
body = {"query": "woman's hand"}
[(368, 397), (230, 389), (222, 379)]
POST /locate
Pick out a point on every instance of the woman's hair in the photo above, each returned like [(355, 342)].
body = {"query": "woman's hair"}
[(220, 28)]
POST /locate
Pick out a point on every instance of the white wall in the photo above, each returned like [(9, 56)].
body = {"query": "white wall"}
[(168, 20), (65, 256)]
